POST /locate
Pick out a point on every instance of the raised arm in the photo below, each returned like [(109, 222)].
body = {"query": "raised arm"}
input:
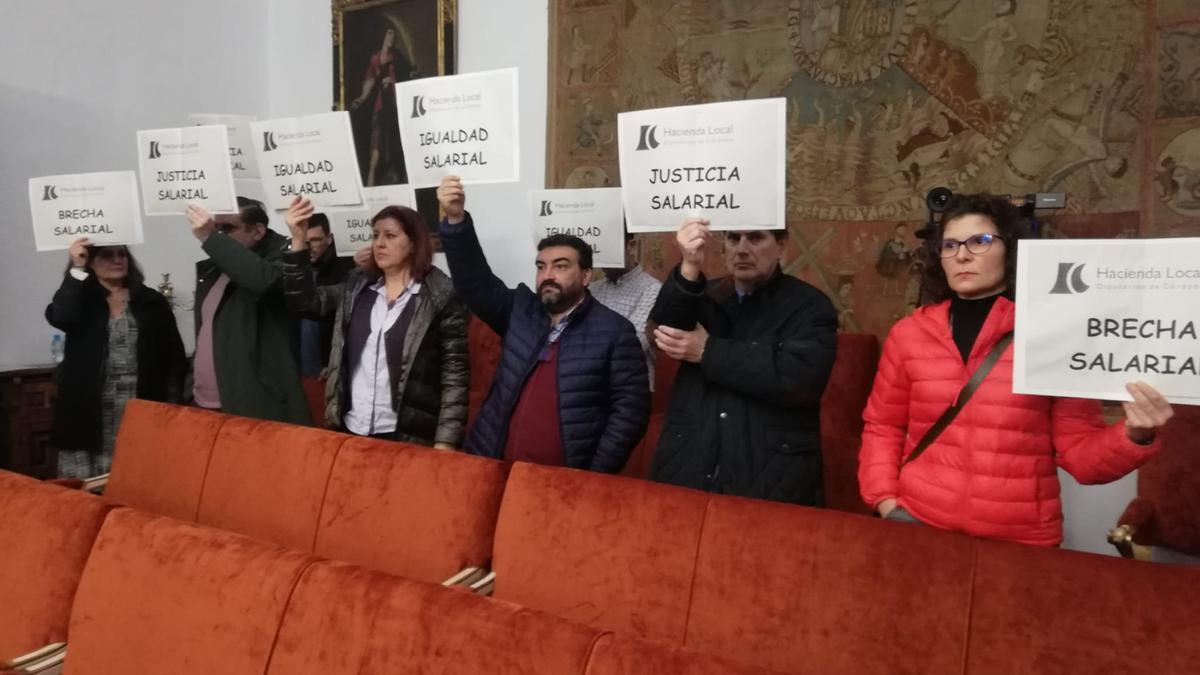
[(63, 310), (483, 292), (244, 267), (300, 291), (1095, 453), (682, 295)]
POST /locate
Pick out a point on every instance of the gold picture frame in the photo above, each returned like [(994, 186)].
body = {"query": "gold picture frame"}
[(377, 43)]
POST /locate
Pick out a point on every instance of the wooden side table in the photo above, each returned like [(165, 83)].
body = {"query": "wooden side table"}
[(27, 396)]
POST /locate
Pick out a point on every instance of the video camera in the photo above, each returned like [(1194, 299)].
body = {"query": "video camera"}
[(937, 200)]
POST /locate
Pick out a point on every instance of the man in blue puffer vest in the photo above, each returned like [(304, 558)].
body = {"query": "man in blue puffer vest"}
[(571, 388)]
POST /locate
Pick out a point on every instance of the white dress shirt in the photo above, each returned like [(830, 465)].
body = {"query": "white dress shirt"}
[(371, 394)]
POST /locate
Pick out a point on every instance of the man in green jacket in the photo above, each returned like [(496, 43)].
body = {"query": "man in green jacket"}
[(246, 359)]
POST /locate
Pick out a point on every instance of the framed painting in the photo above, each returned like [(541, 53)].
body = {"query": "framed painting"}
[(376, 44)]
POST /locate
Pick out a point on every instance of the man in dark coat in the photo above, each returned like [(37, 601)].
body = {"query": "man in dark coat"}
[(571, 388), (247, 345), (327, 269), (757, 349)]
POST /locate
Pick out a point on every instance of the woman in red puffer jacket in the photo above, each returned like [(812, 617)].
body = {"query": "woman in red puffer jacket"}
[(993, 471)]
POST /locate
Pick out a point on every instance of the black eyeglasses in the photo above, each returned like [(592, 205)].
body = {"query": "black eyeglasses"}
[(980, 243), (112, 254)]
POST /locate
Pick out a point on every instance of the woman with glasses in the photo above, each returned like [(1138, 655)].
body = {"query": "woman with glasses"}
[(992, 471), (121, 343), (398, 364)]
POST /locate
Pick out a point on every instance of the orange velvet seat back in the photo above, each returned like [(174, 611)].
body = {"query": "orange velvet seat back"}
[(161, 458), (608, 551), (1042, 612), (615, 654), (810, 590), (346, 619), (413, 511), (267, 480), (841, 419), (47, 533), (161, 596)]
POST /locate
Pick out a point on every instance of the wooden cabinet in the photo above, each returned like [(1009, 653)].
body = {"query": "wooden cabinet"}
[(27, 396)]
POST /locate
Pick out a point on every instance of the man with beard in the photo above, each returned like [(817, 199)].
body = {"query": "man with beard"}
[(571, 388)]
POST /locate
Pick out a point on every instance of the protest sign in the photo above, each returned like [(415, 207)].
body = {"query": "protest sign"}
[(311, 157), (185, 166), (100, 206), (462, 125), (241, 143), (351, 227), (721, 161), (594, 215), (1093, 315)]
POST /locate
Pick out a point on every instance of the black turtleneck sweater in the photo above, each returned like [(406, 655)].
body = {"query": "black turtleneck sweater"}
[(966, 320)]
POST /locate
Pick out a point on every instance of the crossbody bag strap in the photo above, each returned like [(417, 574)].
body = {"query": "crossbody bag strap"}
[(964, 395)]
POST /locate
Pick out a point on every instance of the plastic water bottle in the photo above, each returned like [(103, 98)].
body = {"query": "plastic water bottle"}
[(58, 345)]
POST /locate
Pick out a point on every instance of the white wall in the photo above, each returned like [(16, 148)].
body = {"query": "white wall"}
[(82, 78)]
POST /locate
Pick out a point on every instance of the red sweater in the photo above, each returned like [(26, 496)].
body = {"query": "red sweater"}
[(533, 430), (993, 471)]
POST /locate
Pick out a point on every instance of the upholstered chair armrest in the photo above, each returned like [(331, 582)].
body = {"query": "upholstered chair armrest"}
[(466, 577), (69, 483), (1135, 526), (484, 585), (42, 661)]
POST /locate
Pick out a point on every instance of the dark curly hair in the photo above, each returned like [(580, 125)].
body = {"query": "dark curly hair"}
[(1010, 225)]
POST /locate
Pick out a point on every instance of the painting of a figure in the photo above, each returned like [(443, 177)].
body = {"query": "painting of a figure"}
[(377, 45)]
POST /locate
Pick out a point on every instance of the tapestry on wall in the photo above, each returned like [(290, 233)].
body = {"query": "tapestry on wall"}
[(886, 99)]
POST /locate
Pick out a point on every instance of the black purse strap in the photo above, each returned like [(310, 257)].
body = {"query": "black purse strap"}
[(960, 401)]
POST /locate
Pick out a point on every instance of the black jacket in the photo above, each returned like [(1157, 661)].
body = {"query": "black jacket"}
[(331, 271), (80, 310), (746, 419), (431, 375), (256, 343), (603, 387)]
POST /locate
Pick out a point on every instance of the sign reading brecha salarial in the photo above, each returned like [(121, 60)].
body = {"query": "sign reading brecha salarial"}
[(100, 206), (594, 215), (189, 165), (351, 226), (311, 156), (1093, 315), (460, 125), (241, 143), (721, 161)]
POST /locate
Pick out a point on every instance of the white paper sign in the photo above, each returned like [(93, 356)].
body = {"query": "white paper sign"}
[(253, 189), (351, 227), (722, 161), (241, 144), (100, 206), (461, 125), (1093, 315), (310, 156), (594, 215), (182, 166)]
